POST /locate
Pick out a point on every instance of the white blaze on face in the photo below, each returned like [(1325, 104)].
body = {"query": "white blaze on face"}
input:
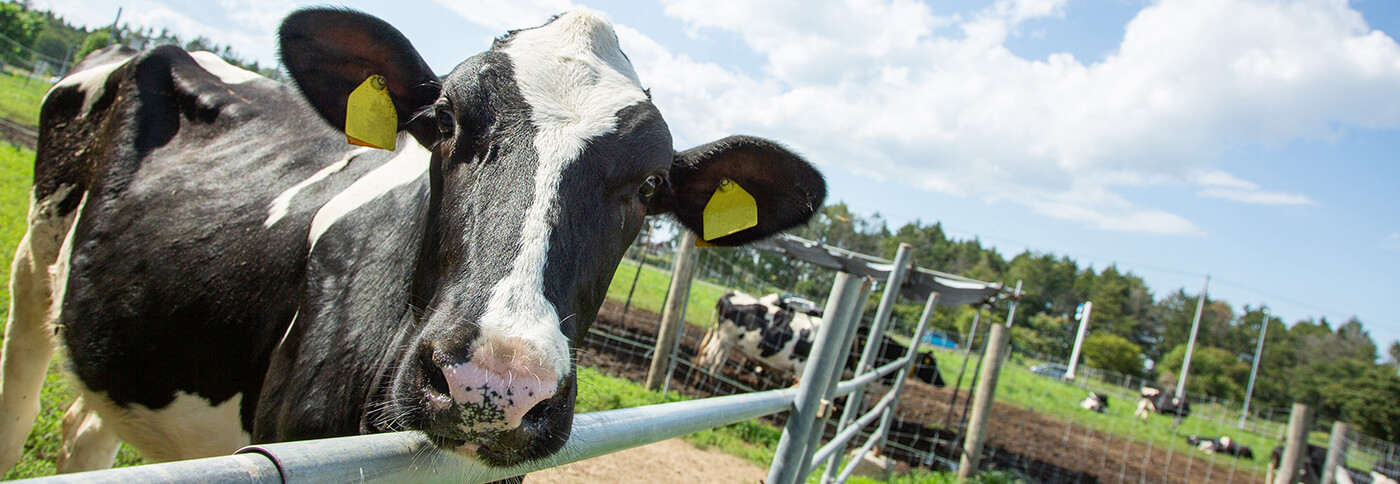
[(574, 77), (220, 68)]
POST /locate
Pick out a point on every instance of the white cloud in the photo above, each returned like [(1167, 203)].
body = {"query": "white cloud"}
[(1224, 186), (503, 15), (1392, 241), (884, 88)]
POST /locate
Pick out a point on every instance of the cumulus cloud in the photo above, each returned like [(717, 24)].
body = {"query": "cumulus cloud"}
[(503, 15), (894, 90)]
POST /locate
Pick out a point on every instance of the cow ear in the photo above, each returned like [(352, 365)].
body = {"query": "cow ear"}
[(785, 188), (330, 52)]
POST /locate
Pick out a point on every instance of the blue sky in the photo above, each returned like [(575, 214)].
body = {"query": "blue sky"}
[(1254, 141)]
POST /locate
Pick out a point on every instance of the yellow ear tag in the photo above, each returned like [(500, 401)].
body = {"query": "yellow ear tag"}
[(370, 117), (730, 210)]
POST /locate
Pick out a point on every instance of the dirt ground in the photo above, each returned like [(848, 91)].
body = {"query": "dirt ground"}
[(1045, 449), (667, 461)]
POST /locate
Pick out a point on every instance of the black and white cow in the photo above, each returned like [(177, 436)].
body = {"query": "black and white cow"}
[(1095, 402), (1222, 444), (780, 336), (1158, 401), (223, 269)]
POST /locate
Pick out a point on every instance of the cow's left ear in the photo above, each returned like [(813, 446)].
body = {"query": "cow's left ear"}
[(786, 189), (330, 52)]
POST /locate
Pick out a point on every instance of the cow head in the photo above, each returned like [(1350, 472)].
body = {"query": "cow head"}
[(545, 156)]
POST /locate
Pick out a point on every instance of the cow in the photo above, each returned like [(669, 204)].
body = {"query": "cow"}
[(1095, 402), (1158, 401), (221, 268), (1222, 444), (780, 334)]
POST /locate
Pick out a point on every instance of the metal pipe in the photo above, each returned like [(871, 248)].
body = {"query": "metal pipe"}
[(248, 468), (873, 340), (879, 434), (1254, 370), (1191, 344), (904, 377), (833, 378), (839, 440), (411, 457), (793, 443)]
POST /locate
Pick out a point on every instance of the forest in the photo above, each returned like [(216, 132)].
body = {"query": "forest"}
[(44, 42)]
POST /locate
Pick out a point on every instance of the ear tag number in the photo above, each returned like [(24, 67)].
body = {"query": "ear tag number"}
[(730, 210), (370, 117)]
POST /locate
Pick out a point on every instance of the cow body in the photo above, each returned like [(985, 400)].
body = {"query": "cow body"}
[(1222, 444), (223, 269), (1095, 402), (781, 337), (1157, 401)]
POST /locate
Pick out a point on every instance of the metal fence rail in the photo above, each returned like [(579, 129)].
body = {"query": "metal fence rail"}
[(410, 457)]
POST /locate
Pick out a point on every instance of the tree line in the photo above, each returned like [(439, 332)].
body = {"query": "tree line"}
[(33, 38), (1335, 368)]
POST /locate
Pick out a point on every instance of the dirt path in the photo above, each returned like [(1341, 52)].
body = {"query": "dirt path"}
[(672, 460)]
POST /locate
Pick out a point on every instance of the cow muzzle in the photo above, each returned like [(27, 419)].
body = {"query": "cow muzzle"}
[(495, 402)]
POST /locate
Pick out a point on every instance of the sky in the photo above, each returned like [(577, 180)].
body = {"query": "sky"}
[(1251, 141)]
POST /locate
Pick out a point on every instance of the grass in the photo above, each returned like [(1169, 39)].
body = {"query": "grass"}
[(19, 98), (652, 285), (1058, 399)]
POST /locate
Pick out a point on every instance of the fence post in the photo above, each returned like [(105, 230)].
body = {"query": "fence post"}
[(1336, 452), (1296, 444), (787, 458), (856, 400), (673, 316), (982, 403)]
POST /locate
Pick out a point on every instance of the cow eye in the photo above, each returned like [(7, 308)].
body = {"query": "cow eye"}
[(447, 123), (649, 187)]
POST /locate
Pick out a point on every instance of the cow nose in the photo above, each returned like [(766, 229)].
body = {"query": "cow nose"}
[(498, 385)]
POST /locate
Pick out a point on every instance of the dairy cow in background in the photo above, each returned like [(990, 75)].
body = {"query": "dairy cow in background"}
[(779, 331)]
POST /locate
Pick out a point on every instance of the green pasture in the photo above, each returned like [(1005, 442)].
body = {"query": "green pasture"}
[(652, 284), (19, 98)]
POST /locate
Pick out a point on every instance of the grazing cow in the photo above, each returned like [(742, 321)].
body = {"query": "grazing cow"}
[(222, 269), (1158, 401), (1309, 470), (1222, 445), (774, 331), (1095, 402)]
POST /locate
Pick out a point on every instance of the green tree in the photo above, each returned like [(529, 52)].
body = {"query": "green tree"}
[(1369, 404), (94, 41), (1213, 372), (1108, 351), (22, 27)]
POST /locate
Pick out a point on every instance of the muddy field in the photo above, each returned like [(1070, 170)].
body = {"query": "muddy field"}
[(1044, 449)]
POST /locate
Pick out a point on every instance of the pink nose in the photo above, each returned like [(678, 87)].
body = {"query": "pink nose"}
[(498, 388)]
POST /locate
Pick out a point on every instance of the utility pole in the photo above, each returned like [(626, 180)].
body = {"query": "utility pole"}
[(1191, 344), (1258, 352), (1082, 314), (113, 39)]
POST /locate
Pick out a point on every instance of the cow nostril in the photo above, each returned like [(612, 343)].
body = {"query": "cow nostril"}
[(536, 413), (436, 380)]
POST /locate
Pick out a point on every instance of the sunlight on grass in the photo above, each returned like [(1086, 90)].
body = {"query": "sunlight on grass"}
[(19, 98)]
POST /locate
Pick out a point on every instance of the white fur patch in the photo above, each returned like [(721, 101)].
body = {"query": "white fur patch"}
[(575, 78), (190, 427), (410, 161), (91, 82), (279, 206), (222, 69)]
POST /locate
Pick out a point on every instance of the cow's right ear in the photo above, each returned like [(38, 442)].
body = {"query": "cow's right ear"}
[(330, 52)]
